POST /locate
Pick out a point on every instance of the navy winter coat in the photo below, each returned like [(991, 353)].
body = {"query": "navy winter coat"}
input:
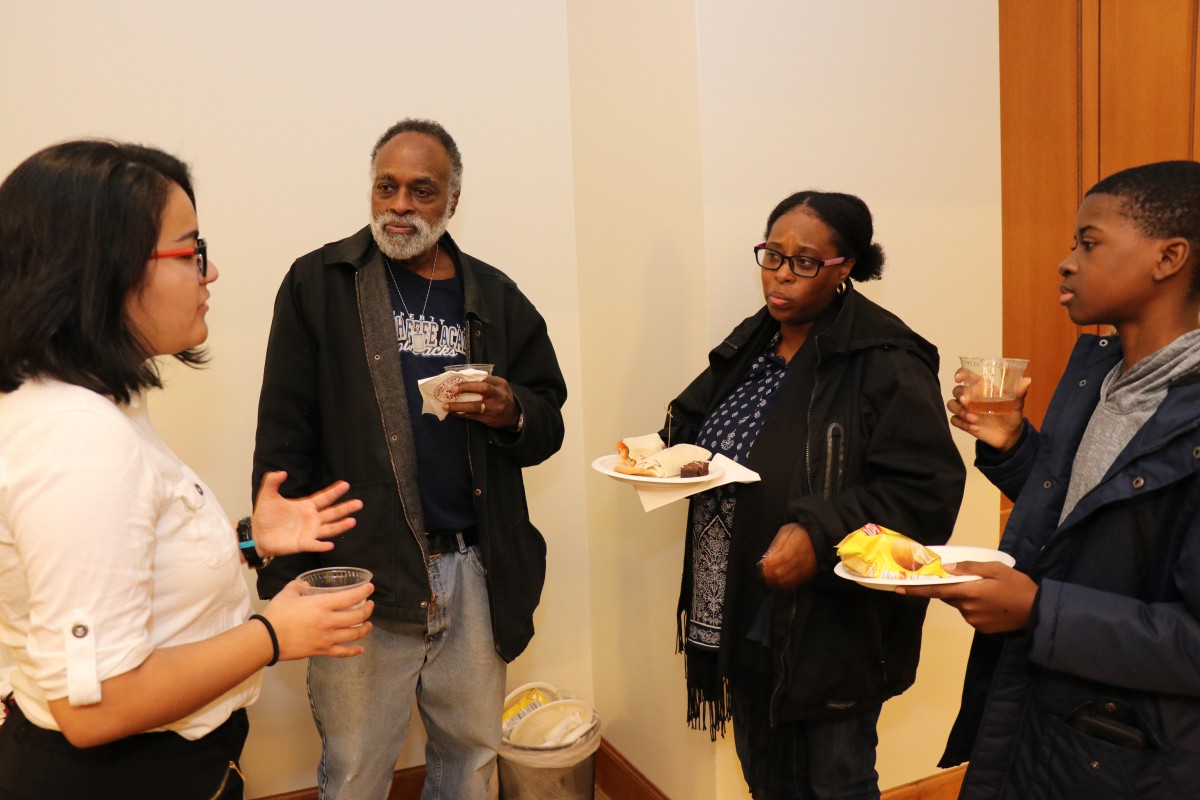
[(1100, 697)]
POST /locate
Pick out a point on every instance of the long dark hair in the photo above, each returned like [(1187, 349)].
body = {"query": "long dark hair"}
[(849, 219), (78, 222)]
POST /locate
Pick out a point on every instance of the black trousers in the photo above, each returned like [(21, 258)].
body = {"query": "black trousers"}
[(39, 764)]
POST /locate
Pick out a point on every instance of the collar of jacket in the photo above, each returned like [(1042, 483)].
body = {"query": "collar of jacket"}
[(860, 324), (359, 250), (1163, 451)]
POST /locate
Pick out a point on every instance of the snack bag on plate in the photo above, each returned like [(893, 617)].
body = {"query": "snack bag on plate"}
[(874, 551)]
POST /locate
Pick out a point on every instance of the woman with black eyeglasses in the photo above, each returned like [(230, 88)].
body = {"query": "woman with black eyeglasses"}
[(836, 404), (122, 596)]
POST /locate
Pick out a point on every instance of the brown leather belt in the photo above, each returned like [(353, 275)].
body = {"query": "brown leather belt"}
[(443, 542)]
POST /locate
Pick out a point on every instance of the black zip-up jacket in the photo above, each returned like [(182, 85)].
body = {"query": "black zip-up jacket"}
[(333, 407), (870, 442)]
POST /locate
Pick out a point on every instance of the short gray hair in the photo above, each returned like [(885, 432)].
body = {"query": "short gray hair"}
[(429, 128)]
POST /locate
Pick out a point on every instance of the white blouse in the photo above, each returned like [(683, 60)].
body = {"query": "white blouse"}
[(110, 548)]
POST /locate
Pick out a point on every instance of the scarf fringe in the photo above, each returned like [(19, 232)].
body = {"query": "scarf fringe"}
[(708, 702), (710, 714)]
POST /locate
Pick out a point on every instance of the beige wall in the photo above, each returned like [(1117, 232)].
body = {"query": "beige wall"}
[(620, 160)]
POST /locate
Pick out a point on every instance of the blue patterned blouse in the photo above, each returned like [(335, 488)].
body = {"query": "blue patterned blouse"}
[(730, 430)]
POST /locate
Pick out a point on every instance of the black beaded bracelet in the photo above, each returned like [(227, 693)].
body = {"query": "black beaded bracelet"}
[(274, 639)]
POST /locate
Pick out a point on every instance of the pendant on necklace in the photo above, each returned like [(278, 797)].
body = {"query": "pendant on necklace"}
[(418, 342)]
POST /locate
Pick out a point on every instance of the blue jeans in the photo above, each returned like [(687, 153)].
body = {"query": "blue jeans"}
[(806, 760), (362, 704)]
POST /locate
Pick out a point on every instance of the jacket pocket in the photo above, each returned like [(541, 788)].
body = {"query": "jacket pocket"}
[(1078, 764), (372, 542)]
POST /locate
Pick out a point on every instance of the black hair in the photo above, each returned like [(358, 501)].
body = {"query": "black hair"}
[(429, 128), (850, 221), (1162, 200), (78, 222)]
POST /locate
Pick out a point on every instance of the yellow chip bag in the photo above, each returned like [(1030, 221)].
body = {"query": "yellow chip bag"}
[(874, 551), (532, 699)]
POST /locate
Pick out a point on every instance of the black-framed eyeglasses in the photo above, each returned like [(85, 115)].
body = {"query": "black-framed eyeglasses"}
[(199, 252), (801, 266)]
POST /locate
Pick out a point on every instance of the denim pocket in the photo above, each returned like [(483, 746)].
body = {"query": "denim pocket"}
[(475, 559)]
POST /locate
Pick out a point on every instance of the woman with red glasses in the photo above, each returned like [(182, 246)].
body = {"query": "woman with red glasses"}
[(122, 596), (836, 404)]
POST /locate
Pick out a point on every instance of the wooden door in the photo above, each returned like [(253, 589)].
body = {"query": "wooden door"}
[(1087, 88)]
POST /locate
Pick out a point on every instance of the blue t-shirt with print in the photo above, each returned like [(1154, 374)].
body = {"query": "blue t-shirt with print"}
[(432, 335)]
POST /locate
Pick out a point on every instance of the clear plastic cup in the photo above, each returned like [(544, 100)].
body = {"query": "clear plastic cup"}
[(470, 372), (468, 367), (992, 382), (335, 579)]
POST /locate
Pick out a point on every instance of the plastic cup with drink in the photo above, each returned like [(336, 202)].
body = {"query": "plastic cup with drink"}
[(992, 383)]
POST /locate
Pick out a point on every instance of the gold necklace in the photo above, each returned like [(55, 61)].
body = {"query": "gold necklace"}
[(418, 342)]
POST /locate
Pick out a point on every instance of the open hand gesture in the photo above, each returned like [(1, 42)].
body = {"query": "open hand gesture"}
[(283, 526)]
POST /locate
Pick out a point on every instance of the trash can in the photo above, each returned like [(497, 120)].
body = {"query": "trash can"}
[(551, 773)]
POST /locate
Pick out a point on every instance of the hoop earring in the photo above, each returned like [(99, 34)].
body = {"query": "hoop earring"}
[(841, 288)]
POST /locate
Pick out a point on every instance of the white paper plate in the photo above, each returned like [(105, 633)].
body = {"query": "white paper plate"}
[(532, 730), (950, 554), (604, 465)]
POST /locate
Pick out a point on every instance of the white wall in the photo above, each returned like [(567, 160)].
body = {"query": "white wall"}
[(620, 160), (277, 106), (639, 222)]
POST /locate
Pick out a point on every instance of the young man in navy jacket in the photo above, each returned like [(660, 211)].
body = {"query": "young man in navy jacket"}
[(1084, 679)]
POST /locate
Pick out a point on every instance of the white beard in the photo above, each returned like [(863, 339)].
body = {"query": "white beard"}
[(405, 246)]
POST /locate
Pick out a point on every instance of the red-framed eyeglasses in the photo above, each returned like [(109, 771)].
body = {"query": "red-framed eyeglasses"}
[(199, 252)]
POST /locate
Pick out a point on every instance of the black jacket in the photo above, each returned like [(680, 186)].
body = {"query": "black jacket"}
[(865, 440), (333, 407), (1100, 696)]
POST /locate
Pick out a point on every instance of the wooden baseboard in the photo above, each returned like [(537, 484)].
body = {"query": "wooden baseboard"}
[(615, 776), (941, 786), (620, 780), (406, 785)]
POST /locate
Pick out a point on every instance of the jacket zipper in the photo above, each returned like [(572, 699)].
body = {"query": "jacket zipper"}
[(233, 767), (787, 642)]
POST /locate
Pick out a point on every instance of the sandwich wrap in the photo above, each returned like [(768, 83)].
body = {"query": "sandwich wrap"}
[(665, 463), (631, 448)]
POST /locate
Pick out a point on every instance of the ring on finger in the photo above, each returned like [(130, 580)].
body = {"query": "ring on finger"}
[(482, 407)]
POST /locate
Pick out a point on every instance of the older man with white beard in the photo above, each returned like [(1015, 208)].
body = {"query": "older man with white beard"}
[(458, 567)]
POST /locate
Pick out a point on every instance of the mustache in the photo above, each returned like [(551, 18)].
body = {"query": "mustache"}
[(391, 217)]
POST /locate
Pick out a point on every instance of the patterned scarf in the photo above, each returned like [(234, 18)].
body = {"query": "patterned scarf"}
[(730, 430)]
